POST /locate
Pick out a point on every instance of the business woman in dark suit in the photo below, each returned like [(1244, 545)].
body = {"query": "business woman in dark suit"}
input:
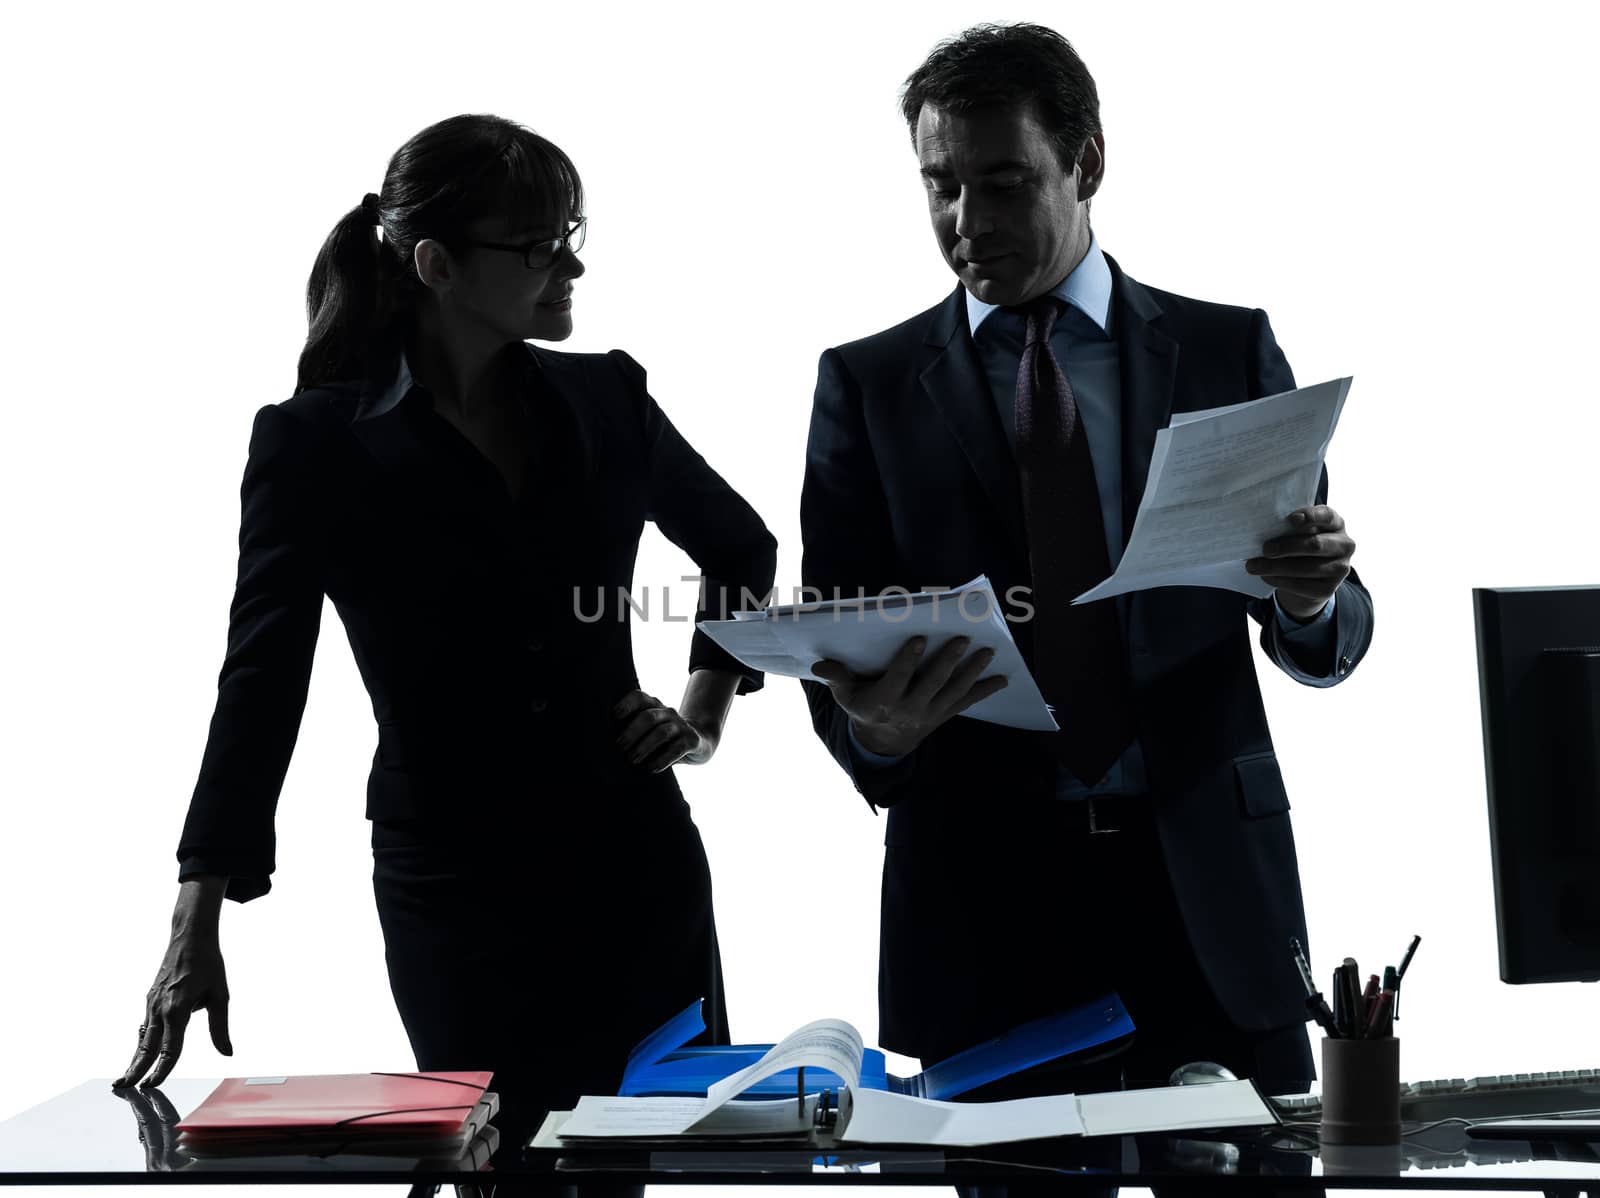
[(473, 506)]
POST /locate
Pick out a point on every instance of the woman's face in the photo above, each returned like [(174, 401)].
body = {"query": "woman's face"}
[(495, 288)]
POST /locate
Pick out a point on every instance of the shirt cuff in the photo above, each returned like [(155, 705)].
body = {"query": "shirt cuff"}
[(865, 756), (244, 882), (706, 654), (1314, 631)]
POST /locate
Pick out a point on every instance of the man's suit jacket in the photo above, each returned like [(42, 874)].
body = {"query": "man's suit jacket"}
[(910, 482), (493, 637)]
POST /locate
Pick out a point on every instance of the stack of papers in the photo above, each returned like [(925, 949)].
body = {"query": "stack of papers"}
[(1222, 482)]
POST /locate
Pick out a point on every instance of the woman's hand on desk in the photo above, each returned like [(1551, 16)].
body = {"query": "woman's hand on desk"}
[(654, 736), (191, 976)]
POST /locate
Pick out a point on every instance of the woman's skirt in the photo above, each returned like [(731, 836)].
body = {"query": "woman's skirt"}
[(545, 950)]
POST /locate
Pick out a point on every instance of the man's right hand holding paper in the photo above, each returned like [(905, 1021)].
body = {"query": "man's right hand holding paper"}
[(893, 712)]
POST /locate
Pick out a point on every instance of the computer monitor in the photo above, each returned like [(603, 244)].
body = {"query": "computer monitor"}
[(1539, 683)]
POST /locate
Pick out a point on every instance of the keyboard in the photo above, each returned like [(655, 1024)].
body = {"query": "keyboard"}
[(1555, 1128), (1503, 1096)]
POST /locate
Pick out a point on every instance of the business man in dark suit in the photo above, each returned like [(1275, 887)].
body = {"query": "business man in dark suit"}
[(1007, 431)]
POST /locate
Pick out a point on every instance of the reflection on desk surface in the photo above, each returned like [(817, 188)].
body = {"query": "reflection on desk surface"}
[(92, 1133), (94, 1130)]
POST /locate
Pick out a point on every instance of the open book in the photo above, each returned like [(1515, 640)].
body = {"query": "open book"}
[(856, 1113)]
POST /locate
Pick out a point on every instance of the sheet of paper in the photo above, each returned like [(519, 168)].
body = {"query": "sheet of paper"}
[(641, 1117), (1222, 481), (1173, 1108), (830, 1044), (864, 634), (549, 1133), (882, 1117), (671, 1119)]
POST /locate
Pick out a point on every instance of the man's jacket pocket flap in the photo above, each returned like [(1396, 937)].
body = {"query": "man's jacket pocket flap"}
[(1261, 784)]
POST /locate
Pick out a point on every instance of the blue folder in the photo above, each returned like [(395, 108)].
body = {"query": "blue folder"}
[(664, 1063)]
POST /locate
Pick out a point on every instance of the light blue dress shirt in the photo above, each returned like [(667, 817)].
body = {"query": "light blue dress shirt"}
[(1085, 345)]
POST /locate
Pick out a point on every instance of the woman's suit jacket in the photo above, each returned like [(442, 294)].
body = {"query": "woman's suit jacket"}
[(492, 636)]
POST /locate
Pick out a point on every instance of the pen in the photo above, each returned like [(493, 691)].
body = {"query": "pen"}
[(1341, 1015), (1315, 1003), (1391, 984), (1352, 995), (1405, 961), (1380, 1024), (1318, 1007), (1369, 996), (1303, 966), (1400, 973)]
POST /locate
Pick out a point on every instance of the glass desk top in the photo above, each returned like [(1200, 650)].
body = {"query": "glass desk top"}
[(95, 1135)]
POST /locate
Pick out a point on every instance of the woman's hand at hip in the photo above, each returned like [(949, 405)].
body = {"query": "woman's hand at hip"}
[(654, 736)]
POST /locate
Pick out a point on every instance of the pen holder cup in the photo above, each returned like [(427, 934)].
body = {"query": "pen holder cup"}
[(1361, 1091)]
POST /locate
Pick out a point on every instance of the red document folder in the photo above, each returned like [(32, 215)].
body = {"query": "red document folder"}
[(354, 1104)]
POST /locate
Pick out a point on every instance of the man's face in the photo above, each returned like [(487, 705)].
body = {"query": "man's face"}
[(1011, 222)]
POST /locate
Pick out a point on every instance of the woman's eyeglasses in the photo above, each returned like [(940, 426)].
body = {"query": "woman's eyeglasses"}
[(538, 255)]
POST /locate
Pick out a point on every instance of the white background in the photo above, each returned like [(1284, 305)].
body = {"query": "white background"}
[(1409, 194)]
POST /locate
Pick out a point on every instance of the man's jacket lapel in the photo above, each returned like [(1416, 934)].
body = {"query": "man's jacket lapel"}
[(954, 380), (1149, 367)]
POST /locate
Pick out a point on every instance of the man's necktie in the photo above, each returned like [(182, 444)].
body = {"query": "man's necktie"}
[(1077, 651)]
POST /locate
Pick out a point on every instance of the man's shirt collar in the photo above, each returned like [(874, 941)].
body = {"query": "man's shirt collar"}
[(1087, 288)]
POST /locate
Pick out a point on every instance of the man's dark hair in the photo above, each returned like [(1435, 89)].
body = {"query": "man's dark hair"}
[(1008, 66)]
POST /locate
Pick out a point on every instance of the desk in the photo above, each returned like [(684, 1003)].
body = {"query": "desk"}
[(91, 1135)]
